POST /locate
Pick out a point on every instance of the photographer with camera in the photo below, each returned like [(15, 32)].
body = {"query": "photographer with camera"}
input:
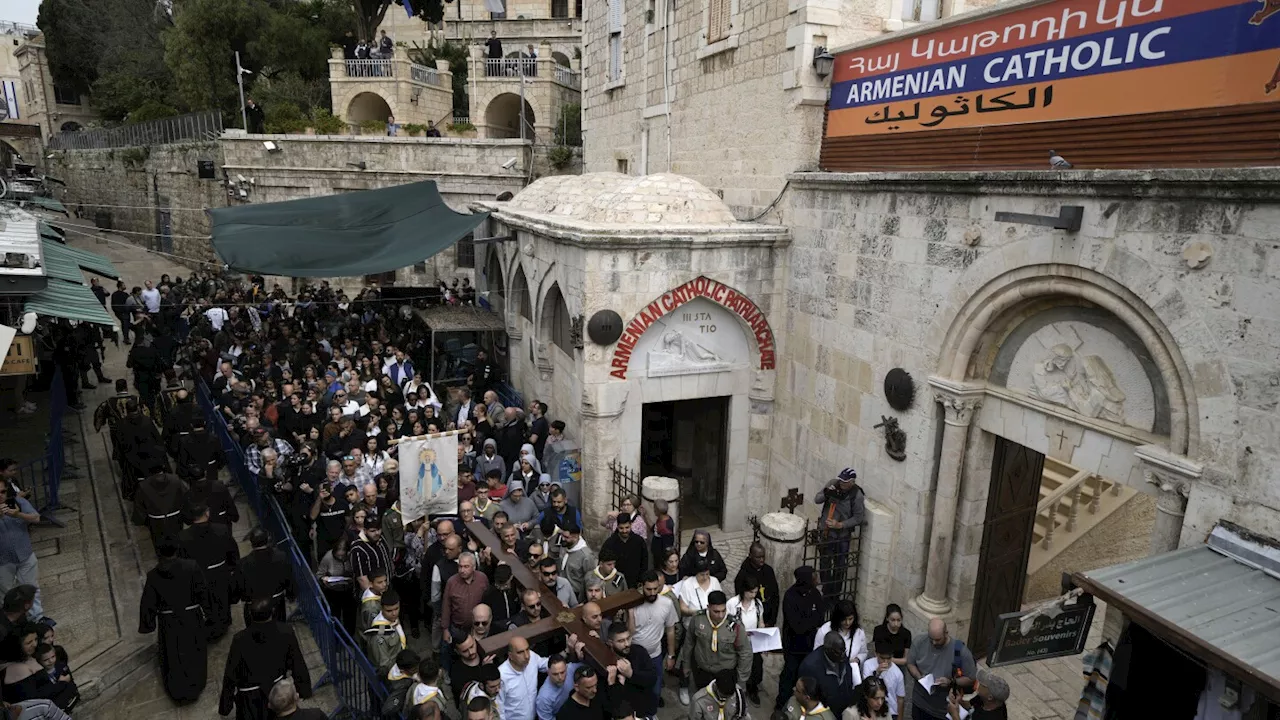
[(17, 557), (304, 471), (843, 510), (987, 703)]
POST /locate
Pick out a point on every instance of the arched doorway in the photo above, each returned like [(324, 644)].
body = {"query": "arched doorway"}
[(502, 117), (493, 283), (560, 58), (520, 294), (367, 106), (555, 326)]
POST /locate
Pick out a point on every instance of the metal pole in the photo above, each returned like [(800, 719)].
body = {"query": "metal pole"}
[(522, 106), (244, 113)]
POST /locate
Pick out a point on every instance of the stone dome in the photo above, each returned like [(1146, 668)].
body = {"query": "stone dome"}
[(610, 198)]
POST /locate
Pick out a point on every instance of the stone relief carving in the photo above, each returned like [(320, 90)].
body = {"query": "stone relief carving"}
[(1082, 383), (678, 355), (959, 409)]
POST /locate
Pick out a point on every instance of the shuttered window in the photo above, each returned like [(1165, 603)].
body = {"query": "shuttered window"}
[(718, 21), (615, 40), (615, 16)]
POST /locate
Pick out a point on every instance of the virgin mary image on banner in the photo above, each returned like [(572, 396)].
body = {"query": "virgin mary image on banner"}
[(429, 477)]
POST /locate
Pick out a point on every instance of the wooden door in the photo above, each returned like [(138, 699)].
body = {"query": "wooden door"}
[(1006, 540)]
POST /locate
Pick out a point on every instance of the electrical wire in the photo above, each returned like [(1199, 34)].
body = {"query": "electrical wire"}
[(64, 225), (771, 205), (98, 236)]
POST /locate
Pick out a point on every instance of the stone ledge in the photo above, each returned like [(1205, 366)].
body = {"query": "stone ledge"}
[(239, 135), (1209, 183)]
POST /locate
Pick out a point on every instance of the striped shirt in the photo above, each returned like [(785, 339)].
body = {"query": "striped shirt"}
[(368, 556)]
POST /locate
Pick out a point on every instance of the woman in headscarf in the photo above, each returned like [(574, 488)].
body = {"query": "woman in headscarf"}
[(700, 549)]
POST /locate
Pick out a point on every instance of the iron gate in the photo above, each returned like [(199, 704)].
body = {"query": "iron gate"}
[(836, 558), (626, 482)]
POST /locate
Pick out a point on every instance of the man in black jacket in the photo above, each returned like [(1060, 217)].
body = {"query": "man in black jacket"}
[(803, 611), (768, 594), (628, 550)]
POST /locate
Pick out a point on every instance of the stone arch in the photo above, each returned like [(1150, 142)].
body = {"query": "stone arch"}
[(993, 310), (368, 105), (502, 117), (560, 58), (520, 293), (493, 282), (753, 319), (555, 320)]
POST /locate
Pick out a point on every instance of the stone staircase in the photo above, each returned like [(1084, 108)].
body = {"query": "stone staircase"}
[(1072, 502)]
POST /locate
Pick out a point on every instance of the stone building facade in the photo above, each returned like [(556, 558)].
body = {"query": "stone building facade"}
[(736, 106), (695, 291), (53, 108), (376, 90)]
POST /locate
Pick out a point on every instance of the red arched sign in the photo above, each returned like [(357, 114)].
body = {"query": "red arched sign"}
[(700, 287)]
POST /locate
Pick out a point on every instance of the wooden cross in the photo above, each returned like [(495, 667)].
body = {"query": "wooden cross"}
[(793, 500), (563, 619)]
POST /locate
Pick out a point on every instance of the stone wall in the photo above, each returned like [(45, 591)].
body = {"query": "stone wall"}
[(138, 179), (882, 265), (129, 184)]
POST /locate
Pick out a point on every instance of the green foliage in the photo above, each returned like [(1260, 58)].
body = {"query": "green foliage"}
[(150, 110), (374, 126), (569, 128), (560, 156), (325, 123), (200, 50), (73, 35), (284, 118), (457, 56), (135, 156), (369, 15), (414, 129), (461, 127), (290, 44), (290, 88)]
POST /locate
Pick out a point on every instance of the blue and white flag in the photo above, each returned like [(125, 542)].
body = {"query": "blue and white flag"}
[(10, 104)]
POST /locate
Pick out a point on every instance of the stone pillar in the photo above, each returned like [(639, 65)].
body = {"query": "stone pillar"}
[(656, 487), (1173, 476), (782, 535), (958, 403)]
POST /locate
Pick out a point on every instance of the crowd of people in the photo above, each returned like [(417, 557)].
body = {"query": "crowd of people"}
[(317, 389)]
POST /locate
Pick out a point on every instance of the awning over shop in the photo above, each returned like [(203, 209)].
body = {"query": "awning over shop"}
[(93, 262), (58, 263), (358, 233), (49, 232), (69, 300), (1214, 602), (461, 318), (46, 203)]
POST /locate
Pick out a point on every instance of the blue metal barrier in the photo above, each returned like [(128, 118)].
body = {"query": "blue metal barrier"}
[(42, 477), (360, 690)]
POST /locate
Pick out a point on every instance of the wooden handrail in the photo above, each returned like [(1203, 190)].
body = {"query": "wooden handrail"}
[(1056, 496)]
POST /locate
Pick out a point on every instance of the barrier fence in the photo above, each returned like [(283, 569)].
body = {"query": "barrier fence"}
[(361, 691), (42, 476)]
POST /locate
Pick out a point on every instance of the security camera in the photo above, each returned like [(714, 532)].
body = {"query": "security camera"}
[(239, 178), (509, 164)]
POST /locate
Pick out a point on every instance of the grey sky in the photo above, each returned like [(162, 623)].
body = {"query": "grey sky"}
[(23, 11)]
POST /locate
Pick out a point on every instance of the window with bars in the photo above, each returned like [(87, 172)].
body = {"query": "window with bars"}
[(718, 20), (559, 8), (465, 251), (615, 39)]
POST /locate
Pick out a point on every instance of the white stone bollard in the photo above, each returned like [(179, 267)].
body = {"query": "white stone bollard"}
[(657, 487), (782, 535)]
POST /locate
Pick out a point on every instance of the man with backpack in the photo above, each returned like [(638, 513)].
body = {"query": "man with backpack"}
[(945, 659)]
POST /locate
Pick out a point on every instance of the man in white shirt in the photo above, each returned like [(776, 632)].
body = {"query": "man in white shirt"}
[(881, 665), (519, 694), (217, 316), (151, 298), (653, 626)]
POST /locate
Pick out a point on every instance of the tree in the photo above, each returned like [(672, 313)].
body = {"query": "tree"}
[(200, 50), (369, 15), (73, 36), (132, 71)]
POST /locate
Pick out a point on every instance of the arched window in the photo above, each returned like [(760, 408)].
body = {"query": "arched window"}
[(493, 283), (555, 320), (520, 294)]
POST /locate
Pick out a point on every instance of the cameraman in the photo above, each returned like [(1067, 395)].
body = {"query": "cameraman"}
[(304, 471), (843, 511), (987, 703)]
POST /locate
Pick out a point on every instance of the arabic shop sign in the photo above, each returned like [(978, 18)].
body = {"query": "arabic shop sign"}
[(1062, 60), (1045, 637), (698, 287)]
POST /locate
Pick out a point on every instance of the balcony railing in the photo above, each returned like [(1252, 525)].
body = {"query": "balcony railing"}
[(568, 76), (381, 68), (510, 67), (424, 74)]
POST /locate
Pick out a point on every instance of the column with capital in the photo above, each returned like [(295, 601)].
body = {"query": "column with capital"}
[(958, 402), (1173, 476)]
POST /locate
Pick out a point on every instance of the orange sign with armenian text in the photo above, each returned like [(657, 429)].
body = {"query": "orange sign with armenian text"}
[(1064, 60)]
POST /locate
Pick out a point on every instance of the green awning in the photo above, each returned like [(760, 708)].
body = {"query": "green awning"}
[(52, 232), (58, 263), (68, 300), (93, 262), (47, 204), (345, 235)]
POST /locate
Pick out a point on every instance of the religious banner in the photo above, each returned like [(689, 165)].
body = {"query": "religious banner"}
[(1064, 60), (429, 476)]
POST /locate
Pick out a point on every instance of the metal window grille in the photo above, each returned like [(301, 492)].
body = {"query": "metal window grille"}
[(559, 8), (465, 251), (626, 482)]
